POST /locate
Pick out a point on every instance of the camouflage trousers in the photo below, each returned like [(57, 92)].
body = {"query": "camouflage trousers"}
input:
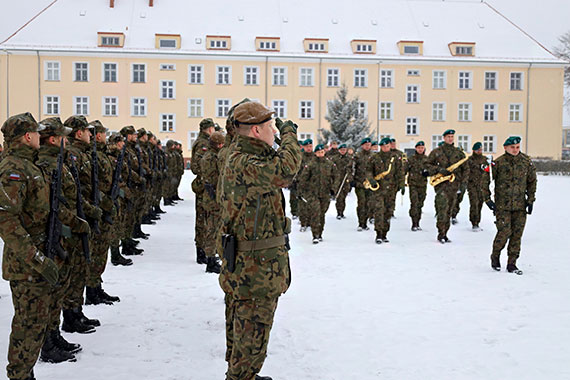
[(317, 208), (417, 199), (303, 210), (293, 202), (341, 199), (32, 300), (200, 222), (381, 212), (99, 254), (510, 227), (458, 200), (248, 324), (211, 231), (475, 205), (445, 198), (363, 197), (59, 293), (391, 202), (77, 278)]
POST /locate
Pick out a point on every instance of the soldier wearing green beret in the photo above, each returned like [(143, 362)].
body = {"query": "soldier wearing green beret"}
[(363, 195), (345, 176), (400, 156), (515, 188), (417, 183), (253, 215), (476, 165)]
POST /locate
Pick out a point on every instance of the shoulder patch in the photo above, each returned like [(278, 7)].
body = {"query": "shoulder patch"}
[(204, 149), (15, 177)]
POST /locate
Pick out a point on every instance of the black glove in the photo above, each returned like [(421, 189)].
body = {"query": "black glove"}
[(491, 205), (352, 184), (373, 183), (403, 190), (278, 123), (444, 172), (332, 195), (529, 207), (425, 173), (210, 190), (286, 127)]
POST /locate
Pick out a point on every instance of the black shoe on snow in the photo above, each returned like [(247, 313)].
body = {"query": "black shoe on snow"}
[(512, 268), (72, 323), (378, 238), (257, 377), (103, 294), (201, 256), (177, 198), (495, 263), (158, 210), (454, 221), (60, 341), (92, 297), (315, 240), (168, 202), (86, 321), (213, 266), (118, 259), (339, 217), (52, 353)]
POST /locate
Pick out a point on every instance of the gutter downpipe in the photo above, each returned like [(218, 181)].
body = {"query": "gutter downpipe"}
[(378, 104), (39, 87), (266, 78), (320, 93), (527, 106), (7, 83)]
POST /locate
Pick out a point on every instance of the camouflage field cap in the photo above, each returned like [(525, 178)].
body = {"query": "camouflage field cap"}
[(54, 127), (420, 143), (18, 125), (169, 143), (150, 135), (449, 132), (385, 141), (252, 113), (141, 132), (365, 140), (99, 128), (77, 123), (116, 138), (206, 123), (512, 140), (231, 119), (477, 146), (217, 138), (127, 130)]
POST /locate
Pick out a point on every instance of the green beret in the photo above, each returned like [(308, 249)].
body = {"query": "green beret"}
[(99, 128), (385, 141), (128, 130), (365, 140), (420, 143), (308, 142), (392, 140), (319, 147), (342, 146), (18, 125), (300, 142), (375, 142), (477, 146), (54, 127), (512, 140), (206, 123), (449, 132)]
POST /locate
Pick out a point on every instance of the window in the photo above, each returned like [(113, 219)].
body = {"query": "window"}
[(413, 93), (110, 106), (386, 110), (306, 109), (222, 107), (465, 80), (516, 81), (52, 70), (305, 136), (167, 122), (386, 78), (167, 89), (195, 74), (267, 45), (333, 76), (360, 77), (438, 112), (515, 112), (463, 50), (280, 108), (81, 72), (280, 76), (138, 106), (489, 144), (110, 41), (464, 112), (439, 79), (250, 75), (109, 72), (305, 76), (224, 75), (167, 67), (412, 126), (463, 142), (410, 49), (363, 109), (316, 46), (490, 80), (81, 105), (51, 105), (435, 140), (195, 108), (364, 48), (139, 70), (218, 44), (490, 113), (167, 43), (413, 73), (384, 136)]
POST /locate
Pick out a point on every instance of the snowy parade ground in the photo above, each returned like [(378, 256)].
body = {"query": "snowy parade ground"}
[(409, 309)]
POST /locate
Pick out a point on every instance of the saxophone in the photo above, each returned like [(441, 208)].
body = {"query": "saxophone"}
[(378, 177), (439, 178)]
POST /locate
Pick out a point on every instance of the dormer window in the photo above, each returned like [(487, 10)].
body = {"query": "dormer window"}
[(167, 41), (218, 42), (316, 45), (267, 43), (411, 47), (363, 46), (466, 49), (111, 39)]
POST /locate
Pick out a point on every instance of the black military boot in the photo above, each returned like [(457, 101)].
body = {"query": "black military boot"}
[(378, 237), (213, 266), (118, 259), (153, 215), (176, 197), (138, 233), (147, 220), (129, 249), (60, 341), (52, 353), (201, 256), (83, 319), (131, 242), (103, 295), (158, 210), (512, 268), (257, 377), (72, 324), (92, 297), (495, 263), (168, 202)]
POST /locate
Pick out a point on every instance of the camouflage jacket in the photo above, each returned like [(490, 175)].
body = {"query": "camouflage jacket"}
[(132, 162), (81, 152), (360, 166), (229, 146), (381, 162), (113, 153), (443, 157), (106, 168), (475, 169), (318, 178), (210, 168), (344, 167), (199, 148), (414, 167), (24, 210), (332, 154), (252, 205), (306, 158), (515, 182), (403, 158)]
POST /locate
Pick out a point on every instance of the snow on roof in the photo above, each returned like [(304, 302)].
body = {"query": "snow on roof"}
[(74, 24)]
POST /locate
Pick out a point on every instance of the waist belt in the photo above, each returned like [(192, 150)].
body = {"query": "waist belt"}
[(254, 245)]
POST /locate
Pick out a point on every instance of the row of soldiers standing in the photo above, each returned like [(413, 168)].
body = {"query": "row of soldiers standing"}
[(68, 196)]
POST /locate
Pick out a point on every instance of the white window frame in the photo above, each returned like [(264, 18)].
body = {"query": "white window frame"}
[(467, 77), (52, 105), (279, 107), (165, 117), (435, 140), (364, 48), (227, 73), (360, 78), (116, 70), (170, 86), (267, 45), (386, 108), (517, 112), (305, 135), (306, 107), (114, 41), (415, 122), (495, 81), (218, 44), (410, 92), (362, 107), (192, 137), (136, 105), (521, 81), (386, 75), (55, 71), (306, 77), (469, 111), (440, 111), (198, 72), (276, 74), (316, 46), (486, 143), (75, 71), (162, 39), (253, 75), (167, 67), (439, 83), (411, 46), (490, 112), (104, 105), (197, 106), (227, 103), (333, 77), (138, 72), (414, 72), (465, 145), (78, 101)]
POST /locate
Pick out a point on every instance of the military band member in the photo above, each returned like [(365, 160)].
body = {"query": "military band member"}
[(363, 195), (345, 175), (417, 183), (302, 190), (476, 165)]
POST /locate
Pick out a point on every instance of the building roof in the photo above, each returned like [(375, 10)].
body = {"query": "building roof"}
[(74, 24)]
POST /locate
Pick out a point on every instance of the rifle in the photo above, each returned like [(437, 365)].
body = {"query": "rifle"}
[(53, 243), (129, 182), (117, 177), (80, 213), (95, 195), (341, 185)]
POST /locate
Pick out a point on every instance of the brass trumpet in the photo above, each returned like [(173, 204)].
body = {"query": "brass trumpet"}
[(439, 178), (378, 177)]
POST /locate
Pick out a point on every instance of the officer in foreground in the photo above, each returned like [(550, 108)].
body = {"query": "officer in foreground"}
[(515, 188), (255, 267)]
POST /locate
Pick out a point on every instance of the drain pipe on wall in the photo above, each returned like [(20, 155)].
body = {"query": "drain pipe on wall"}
[(527, 106), (39, 86)]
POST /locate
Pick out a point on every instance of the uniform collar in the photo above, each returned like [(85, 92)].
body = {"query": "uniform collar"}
[(22, 151), (252, 145)]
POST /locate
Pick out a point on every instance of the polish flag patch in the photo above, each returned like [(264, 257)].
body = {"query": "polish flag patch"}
[(14, 176)]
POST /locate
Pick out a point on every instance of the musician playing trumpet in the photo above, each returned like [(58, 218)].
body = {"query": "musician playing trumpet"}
[(445, 165), (384, 176)]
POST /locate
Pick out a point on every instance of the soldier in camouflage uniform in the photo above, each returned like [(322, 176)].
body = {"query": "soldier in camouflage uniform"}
[(387, 163), (370, 206), (363, 195), (402, 158), (317, 180), (24, 209), (417, 183), (515, 188), (476, 164), (252, 212), (210, 172), (199, 148), (304, 211), (333, 152), (446, 192), (345, 174)]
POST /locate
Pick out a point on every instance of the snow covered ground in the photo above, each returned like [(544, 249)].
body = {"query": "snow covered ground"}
[(410, 309)]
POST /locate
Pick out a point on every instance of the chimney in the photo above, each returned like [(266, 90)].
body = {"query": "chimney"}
[(112, 3), (150, 3)]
